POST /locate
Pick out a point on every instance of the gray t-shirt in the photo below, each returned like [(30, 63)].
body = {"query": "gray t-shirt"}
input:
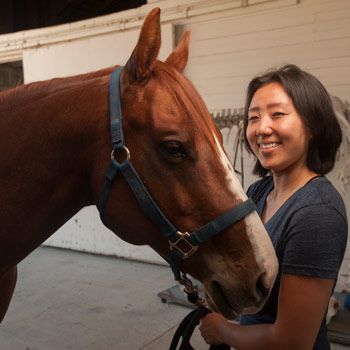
[(309, 233)]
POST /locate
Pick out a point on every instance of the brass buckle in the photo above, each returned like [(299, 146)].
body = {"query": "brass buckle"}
[(186, 253)]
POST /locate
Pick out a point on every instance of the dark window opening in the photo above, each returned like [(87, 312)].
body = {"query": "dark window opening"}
[(11, 75)]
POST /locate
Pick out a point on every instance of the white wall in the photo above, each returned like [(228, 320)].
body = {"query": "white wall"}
[(231, 41), (88, 54), (227, 53)]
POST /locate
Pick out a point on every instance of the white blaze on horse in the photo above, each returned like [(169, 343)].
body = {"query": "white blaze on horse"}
[(56, 146)]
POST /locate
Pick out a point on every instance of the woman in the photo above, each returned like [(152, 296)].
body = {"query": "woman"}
[(291, 128)]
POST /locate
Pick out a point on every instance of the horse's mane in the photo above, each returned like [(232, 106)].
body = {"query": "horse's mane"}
[(27, 93)]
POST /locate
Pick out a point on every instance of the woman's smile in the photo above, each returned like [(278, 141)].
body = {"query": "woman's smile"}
[(264, 147)]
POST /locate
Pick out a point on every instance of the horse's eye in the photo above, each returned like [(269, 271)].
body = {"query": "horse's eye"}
[(175, 149)]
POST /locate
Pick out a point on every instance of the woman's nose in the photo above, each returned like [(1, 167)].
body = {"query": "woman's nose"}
[(264, 126)]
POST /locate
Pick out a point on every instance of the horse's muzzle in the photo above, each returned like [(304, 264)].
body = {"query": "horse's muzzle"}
[(221, 299)]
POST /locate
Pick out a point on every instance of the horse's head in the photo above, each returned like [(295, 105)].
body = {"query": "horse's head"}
[(178, 153)]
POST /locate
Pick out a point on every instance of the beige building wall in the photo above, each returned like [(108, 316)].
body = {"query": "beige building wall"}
[(231, 41)]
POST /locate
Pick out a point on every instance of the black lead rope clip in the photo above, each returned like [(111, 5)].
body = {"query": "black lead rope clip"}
[(189, 323)]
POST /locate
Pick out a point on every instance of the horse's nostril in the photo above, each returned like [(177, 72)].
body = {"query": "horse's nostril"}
[(261, 289)]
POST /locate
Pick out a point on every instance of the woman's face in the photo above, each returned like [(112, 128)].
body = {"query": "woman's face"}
[(275, 132)]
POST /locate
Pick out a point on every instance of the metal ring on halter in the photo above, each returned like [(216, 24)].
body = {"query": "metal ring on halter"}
[(127, 152)]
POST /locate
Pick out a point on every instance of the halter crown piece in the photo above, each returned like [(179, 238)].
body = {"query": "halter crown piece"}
[(189, 242)]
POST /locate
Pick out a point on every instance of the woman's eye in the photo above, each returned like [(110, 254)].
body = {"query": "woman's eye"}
[(276, 114), (253, 117), (175, 149)]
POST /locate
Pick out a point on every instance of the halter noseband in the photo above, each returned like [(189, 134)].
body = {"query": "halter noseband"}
[(182, 244)]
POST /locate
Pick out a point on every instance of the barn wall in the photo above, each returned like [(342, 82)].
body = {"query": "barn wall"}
[(231, 41), (68, 58)]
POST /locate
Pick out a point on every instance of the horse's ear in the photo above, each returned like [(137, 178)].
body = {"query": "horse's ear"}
[(142, 59), (178, 58)]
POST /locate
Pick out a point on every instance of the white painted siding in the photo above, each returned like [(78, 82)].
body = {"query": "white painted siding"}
[(225, 54), (66, 58)]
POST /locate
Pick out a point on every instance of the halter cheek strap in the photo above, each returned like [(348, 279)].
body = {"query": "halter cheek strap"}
[(182, 244)]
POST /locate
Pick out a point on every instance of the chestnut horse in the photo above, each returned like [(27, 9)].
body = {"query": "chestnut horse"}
[(55, 142)]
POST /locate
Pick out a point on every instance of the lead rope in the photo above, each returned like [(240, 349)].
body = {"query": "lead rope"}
[(189, 323)]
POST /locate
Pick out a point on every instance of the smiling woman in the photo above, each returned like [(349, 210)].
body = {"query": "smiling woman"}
[(275, 130), (292, 130), (305, 95)]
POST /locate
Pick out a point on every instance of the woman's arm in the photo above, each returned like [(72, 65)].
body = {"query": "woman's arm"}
[(301, 307)]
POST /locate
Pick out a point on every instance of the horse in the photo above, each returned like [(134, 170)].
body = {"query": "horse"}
[(56, 144)]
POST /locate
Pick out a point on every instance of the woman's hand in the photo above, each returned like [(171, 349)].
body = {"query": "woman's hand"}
[(211, 327)]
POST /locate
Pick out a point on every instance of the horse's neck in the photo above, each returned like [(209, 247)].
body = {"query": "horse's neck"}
[(38, 90), (48, 157)]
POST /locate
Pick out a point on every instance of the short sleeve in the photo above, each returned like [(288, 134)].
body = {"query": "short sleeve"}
[(250, 191), (315, 242)]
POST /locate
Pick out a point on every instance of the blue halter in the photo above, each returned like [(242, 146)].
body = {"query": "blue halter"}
[(182, 245)]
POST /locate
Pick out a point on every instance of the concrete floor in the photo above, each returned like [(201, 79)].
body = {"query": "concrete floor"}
[(69, 300)]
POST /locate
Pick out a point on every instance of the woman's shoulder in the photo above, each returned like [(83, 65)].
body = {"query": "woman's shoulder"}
[(321, 192)]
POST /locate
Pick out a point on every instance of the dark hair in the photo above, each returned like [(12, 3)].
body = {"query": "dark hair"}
[(314, 106)]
